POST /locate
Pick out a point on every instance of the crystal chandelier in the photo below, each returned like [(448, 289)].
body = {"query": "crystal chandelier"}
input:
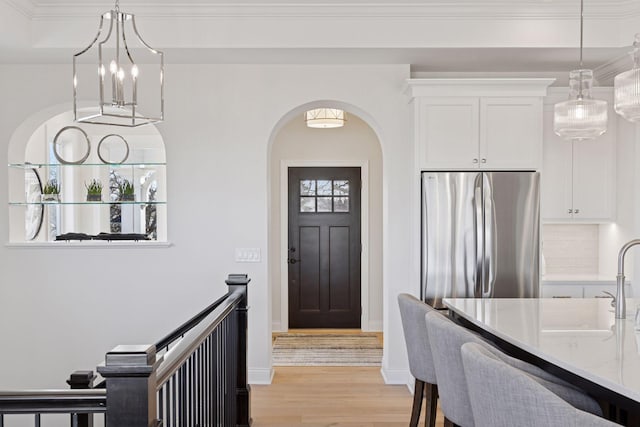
[(119, 78), (627, 87), (325, 118), (580, 117)]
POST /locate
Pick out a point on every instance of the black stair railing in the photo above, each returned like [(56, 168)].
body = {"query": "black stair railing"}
[(194, 377)]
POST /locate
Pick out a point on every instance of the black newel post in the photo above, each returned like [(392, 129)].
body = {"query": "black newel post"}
[(82, 380), (243, 400), (130, 373)]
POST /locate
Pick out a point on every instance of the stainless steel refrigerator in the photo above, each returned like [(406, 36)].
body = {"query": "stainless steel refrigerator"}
[(480, 235)]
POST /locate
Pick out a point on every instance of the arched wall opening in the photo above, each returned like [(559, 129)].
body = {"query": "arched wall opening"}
[(49, 148), (356, 144)]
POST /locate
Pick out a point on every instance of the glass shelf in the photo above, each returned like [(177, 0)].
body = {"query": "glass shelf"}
[(112, 165), (117, 202)]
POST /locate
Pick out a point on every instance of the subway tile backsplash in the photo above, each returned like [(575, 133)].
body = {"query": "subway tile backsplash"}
[(570, 248)]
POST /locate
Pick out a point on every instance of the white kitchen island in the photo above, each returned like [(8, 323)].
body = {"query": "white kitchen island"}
[(578, 339)]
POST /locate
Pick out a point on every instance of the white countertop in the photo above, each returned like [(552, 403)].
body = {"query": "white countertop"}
[(578, 335)]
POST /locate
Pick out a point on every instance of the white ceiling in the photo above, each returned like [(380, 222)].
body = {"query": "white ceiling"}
[(434, 37)]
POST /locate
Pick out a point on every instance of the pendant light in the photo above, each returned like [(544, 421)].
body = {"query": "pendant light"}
[(580, 117), (627, 87), (325, 118), (118, 77)]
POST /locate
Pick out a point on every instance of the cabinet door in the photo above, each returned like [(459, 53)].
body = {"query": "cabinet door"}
[(561, 291), (596, 291), (556, 176), (510, 132), (448, 132), (594, 179)]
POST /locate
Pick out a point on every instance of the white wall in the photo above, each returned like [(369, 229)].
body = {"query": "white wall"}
[(62, 309), (356, 142)]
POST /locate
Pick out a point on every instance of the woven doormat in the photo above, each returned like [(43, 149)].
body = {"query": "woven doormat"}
[(327, 350)]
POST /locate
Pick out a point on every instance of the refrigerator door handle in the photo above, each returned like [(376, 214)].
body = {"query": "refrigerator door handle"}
[(490, 241), (479, 235)]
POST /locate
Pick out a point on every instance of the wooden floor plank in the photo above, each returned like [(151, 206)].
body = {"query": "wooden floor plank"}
[(331, 396)]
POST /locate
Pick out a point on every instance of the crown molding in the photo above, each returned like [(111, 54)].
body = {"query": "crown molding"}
[(477, 87), (605, 73), (24, 7), (472, 10)]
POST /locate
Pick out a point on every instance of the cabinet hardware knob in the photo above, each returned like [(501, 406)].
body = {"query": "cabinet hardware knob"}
[(484, 160), (577, 211), (570, 211), (475, 160)]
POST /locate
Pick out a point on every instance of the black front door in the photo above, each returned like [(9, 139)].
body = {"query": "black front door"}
[(324, 247)]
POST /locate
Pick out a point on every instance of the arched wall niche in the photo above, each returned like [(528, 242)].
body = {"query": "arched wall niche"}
[(356, 144), (49, 147)]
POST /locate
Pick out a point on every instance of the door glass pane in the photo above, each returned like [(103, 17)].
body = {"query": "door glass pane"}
[(324, 204), (324, 187), (307, 204), (341, 188), (307, 187), (341, 204)]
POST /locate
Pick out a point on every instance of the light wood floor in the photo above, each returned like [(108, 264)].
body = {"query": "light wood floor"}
[(331, 396)]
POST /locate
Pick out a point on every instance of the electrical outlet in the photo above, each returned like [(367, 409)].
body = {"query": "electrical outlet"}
[(248, 255)]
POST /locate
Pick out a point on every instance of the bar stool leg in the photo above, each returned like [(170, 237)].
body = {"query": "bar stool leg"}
[(432, 404), (418, 394)]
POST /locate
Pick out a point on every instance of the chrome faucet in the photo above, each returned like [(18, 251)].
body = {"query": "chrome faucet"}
[(621, 307)]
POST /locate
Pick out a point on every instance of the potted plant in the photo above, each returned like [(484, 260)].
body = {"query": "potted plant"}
[(51, 191), (127, 192), (94, 190)]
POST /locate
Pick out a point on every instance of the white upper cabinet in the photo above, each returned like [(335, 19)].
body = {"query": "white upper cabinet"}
[(448, 132), (578, 177), (510, 132), (478, 123)]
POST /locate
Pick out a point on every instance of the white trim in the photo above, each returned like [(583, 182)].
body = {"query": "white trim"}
[(395, 376), (277, 327), (459, 9), (260, 375), (364, 233), (24, 7), (374, 326), (411, 384), (478, 87)]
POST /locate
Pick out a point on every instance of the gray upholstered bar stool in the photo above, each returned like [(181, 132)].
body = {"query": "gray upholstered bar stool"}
[(446, 339), (412, 311), (503, 396)]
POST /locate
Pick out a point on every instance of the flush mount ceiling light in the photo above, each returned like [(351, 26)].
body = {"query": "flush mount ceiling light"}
[(118, 78), (324, 118), (580, 117), (627, 87)]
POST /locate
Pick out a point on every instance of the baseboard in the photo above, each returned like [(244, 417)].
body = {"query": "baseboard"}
[(260, 376), (411, 384), (394, 376), (276, 327), (374, 326)]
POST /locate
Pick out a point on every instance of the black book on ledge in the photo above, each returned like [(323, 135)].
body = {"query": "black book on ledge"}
[(102, 236)]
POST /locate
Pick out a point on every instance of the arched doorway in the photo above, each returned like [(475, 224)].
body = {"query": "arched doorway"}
[(356, 145)]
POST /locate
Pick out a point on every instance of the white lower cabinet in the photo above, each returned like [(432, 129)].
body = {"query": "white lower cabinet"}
[(581, 290), (561, 291)]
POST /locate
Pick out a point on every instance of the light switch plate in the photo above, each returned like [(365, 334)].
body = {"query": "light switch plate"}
[(248, 255)]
